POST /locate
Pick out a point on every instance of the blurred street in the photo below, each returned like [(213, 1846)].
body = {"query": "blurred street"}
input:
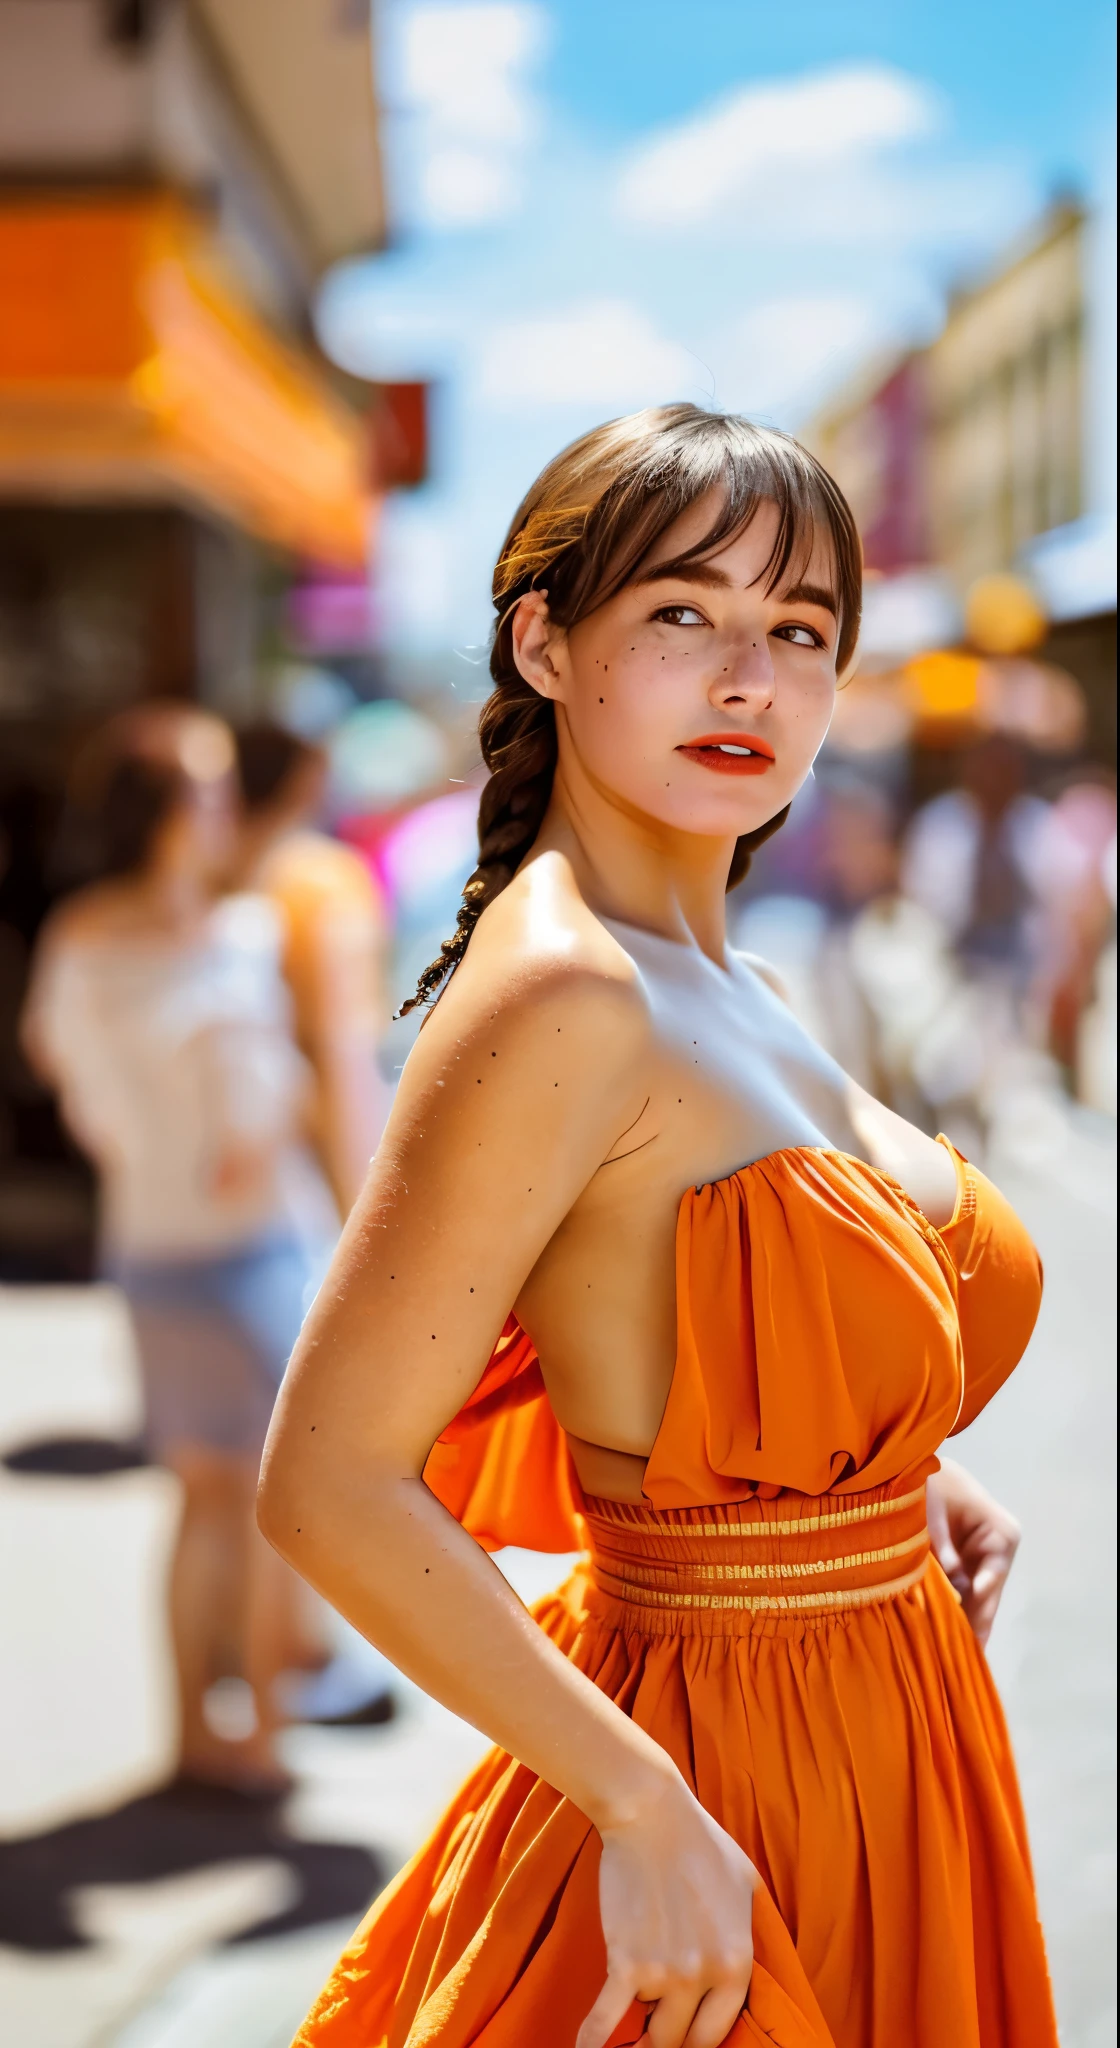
[(298, 297), (169, 1917)]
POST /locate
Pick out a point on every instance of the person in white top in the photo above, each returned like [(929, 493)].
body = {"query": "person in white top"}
[(159, 1012)]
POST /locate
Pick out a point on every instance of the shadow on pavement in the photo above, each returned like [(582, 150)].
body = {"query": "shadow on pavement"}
[(183, 1827)]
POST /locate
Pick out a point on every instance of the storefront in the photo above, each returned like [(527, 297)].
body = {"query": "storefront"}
[(167, 461)]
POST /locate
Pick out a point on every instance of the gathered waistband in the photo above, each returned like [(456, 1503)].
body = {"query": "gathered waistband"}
[(719, 1571)]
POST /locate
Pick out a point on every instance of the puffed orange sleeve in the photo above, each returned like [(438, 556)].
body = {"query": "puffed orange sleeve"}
[(503, 1467), (999, 1276)]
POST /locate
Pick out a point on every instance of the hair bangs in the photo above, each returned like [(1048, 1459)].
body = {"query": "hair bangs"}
[(659, 464)]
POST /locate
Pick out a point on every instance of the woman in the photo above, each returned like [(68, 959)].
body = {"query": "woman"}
[(749, 1304), (159, 1013), (334, 947)]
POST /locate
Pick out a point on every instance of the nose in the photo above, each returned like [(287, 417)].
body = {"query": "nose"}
[(745, 676)]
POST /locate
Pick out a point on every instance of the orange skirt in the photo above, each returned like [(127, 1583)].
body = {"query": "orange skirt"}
[(808, 1668)]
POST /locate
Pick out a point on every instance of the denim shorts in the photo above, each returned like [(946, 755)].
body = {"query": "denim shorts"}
[(214, 1336)]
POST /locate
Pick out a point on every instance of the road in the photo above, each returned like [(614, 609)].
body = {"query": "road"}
[(154, 1902)]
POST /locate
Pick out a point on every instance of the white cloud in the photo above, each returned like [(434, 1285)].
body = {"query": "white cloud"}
[(462, 74), (465, 187), (604, 354), (377, 321), (781, 358), (465, 65), (735, 150)]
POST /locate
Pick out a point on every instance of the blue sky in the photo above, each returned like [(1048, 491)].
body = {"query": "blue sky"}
[(597, 205)]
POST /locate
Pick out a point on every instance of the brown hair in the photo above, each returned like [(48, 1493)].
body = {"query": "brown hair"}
[(268, 759), (130, 776), (580, 534)]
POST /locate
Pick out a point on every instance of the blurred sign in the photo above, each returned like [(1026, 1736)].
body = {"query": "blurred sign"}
[(331, 613), (131, 367), (893, 424), (874, 444), (399, 437)]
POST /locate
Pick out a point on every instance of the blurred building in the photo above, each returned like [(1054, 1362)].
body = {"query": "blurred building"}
[(961, 453), (175, 176), (873, 439), (1004, 401), (966, 459)]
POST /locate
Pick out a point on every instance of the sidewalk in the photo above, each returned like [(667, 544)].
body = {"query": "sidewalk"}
[(174, 1955)]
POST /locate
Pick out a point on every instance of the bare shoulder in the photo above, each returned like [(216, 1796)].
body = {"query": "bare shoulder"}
[(540, 973), (86, 917), (538, 944), (765, 972)]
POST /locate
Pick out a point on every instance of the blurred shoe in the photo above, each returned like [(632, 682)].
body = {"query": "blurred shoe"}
[(76, 1457), (338, 1696), (230, 1789)]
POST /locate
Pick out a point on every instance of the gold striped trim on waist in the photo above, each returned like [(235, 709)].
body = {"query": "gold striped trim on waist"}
[(654, 1571), (802, 1525), (635, 1594)]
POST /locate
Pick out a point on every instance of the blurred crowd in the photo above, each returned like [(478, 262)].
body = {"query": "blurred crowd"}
[(210, 999), (942, 903)]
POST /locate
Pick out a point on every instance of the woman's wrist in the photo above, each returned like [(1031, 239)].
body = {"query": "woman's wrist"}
[(641, 1782)]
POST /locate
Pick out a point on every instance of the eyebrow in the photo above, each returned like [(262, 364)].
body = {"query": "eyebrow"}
[(811, 593), (706, 573)]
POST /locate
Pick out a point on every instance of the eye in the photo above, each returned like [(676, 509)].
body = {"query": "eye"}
[(799, 636), (680, 615)]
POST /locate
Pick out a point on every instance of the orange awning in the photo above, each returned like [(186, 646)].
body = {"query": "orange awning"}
[(129, 367)]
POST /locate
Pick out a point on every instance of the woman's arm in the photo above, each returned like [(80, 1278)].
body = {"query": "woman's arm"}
[(495, 1131), (503, 1115)]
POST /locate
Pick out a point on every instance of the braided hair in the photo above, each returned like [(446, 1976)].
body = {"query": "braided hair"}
[(579, 535)]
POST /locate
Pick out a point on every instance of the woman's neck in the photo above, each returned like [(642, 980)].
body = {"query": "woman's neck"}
[(171, 898), (630, 867)]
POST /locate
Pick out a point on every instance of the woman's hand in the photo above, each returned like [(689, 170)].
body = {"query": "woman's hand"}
[(676, 1895), (974, 1540), (242, 1171)]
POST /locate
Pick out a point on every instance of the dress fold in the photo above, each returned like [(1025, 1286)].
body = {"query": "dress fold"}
[(774, 1619)]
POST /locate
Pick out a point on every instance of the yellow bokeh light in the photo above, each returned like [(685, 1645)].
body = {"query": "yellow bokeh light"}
[(943, 684), (1003, 616)]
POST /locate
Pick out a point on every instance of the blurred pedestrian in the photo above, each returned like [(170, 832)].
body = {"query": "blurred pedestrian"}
[(335, 941), (335, 945), (972, 858), (158, 1011), (1078, 897)]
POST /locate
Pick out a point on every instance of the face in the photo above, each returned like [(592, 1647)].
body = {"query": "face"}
[(697, 698), (197, 838)]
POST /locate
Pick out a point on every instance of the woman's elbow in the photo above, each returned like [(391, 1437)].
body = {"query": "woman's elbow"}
[(292, 1492), (282, 1496), (310, 1500)]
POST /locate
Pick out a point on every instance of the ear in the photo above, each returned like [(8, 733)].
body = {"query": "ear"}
[(539, 646)]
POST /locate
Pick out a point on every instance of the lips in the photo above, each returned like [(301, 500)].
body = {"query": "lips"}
[(730, 753)]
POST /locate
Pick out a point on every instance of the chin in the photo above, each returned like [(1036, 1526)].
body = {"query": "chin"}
[(721, 821)]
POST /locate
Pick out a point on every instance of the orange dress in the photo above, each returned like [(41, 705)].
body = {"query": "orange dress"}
[(775, 1619)]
